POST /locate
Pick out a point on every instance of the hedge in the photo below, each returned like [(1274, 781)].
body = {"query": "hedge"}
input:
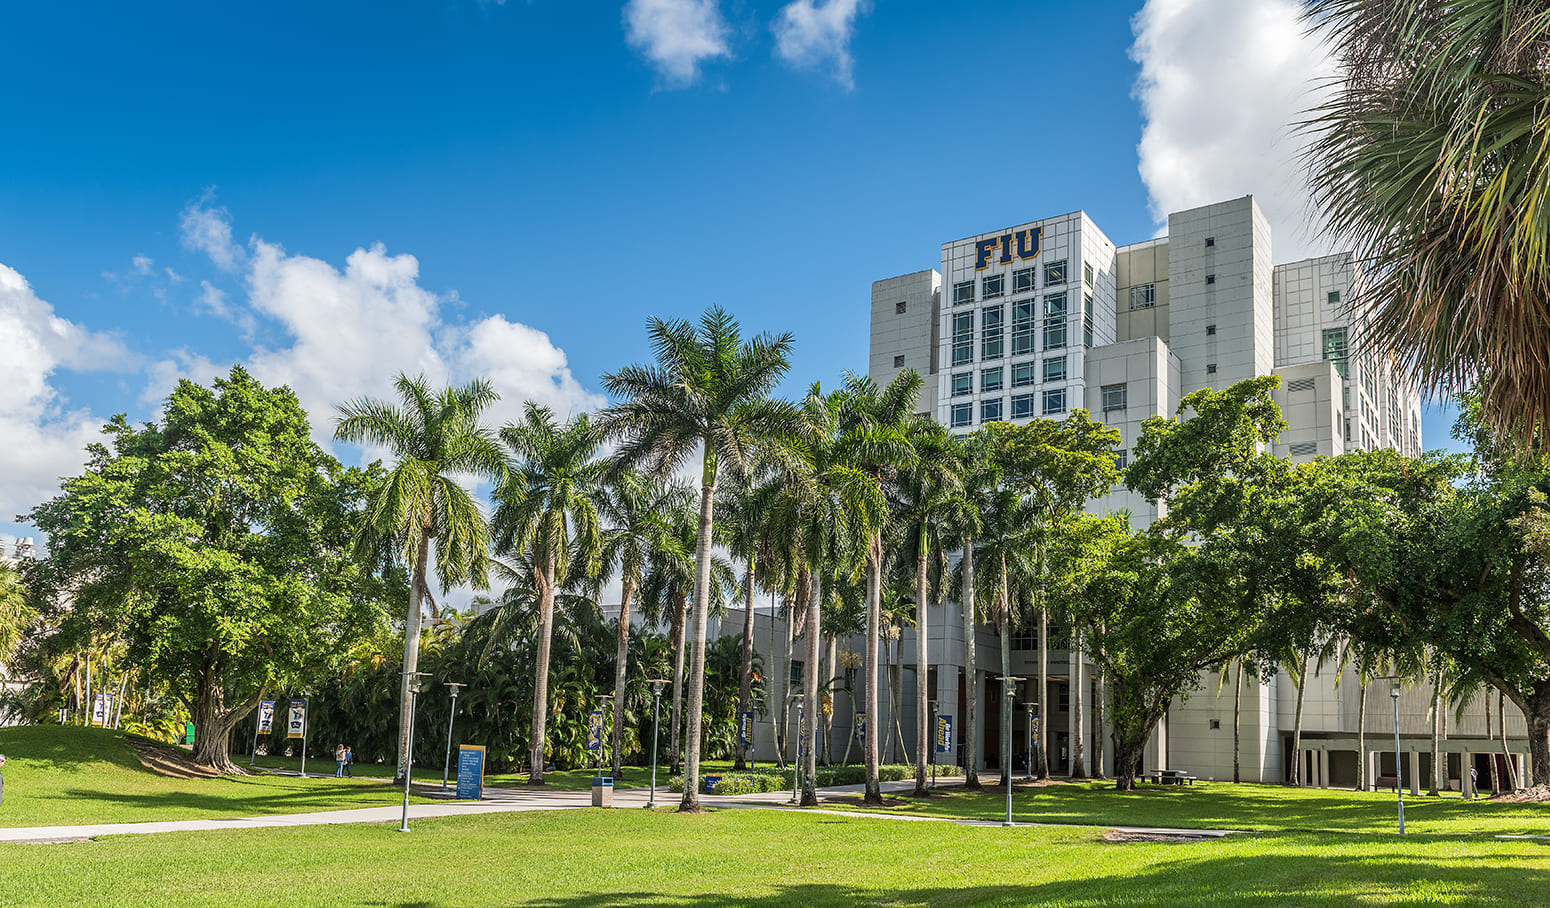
[(757, 781)]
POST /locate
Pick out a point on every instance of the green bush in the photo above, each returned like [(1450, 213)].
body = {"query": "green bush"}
[(736, 783)]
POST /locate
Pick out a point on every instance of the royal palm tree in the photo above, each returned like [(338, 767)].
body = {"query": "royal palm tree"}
[(636, 514), (436, 438), (546, 509), (743, 509), (708, 392), (1428, 161), (980, 477)]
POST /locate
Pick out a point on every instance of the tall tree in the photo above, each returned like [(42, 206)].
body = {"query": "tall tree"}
[(709, 391), (743, 507), (980, 477), (546, 509), (1428, 160), (435, 438)]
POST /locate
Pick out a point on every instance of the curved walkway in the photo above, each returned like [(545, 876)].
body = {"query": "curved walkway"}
[(508, 800)]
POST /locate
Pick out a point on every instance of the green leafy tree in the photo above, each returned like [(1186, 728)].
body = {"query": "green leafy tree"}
[(215, 544), (708, 392), (546, 511), (435, 437), (16, 614)]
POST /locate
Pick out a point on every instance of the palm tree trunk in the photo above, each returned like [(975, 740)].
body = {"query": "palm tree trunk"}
[(923, 670), (691, 799), (971, 750), (1501, 721), (1237, 723), (874, 608), (775, 696), (895, 683), (1361, 738), (1438, 776), (621, 663), (1302, 687), (541, 671), (1044, 749), (1496, 782), (785, 678), (810, 694), (1099, 701), (745, 690), (1006, 669), (1078, 698), (831, 672), (412, 652), (680, 619)]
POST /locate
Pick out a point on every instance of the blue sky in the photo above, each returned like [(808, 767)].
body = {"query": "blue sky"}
[(512, 188)]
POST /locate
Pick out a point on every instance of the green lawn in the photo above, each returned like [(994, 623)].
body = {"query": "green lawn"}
[(563, 780), (1223, 805), (64, 775), (588, 859)]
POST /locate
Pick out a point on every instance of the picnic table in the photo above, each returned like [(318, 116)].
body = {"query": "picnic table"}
[(1171, 777)]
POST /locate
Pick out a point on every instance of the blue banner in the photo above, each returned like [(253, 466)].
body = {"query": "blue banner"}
[(944, 734), (861, 727), (745, 729), (470, 772), (595, 730)]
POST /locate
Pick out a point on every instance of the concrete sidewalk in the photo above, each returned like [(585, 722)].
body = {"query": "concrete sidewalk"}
[(510, 800)]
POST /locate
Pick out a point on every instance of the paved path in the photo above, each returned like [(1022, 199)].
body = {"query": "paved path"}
[(508, 800)]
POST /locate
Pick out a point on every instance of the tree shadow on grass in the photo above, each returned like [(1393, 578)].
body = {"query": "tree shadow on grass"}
[(244, 794)]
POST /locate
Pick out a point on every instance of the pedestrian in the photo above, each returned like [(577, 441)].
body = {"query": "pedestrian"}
[(349, 758), (2, 778), (1474, 782), (339, 762)]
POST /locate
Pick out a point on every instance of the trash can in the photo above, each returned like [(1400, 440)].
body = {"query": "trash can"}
[(602, 791), (710, 784)]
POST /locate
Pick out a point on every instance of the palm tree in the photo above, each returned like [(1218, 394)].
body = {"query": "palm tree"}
[(15, 614), (546, 509), (979, 476), (743, 510), (435, 437), (636, 513), (1428, 161), (708, 391)]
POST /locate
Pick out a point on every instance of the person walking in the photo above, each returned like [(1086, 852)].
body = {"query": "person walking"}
[(339, 761), (349, 758), (2, 778), (1474, 782)]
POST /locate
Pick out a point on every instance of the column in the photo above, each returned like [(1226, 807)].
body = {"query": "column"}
[(1466, 787), (1323, 768), (1415, 773)]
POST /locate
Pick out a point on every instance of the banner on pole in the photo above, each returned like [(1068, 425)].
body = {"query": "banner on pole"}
[(595, 730), (861, 727), (944, 734), (745, 729), (265, 717), (470, 772), (296, 719), (99, 708)]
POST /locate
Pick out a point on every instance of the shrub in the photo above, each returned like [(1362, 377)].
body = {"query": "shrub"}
[(759, 781)]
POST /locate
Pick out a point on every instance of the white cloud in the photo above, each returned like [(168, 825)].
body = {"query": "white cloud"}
[(212, 300), (810, 34), (676, 36), (142, 264), (1222, 83), (207, 229), (43, 437)]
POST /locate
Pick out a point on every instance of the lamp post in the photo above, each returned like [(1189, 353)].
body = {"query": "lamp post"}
[(446, 765), (1011, 688), (796, 765), (602, 740), (656, 710), (414, 692), (1399, 772)]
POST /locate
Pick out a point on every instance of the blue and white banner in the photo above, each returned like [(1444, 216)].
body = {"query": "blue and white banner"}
[(265, 717), (595, 730), (944, 734), (745, 729)]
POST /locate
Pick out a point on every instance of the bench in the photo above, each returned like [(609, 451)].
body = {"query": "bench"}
[(1171, 777)]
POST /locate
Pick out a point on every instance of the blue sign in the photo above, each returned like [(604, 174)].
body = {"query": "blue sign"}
[(710, 784), (595, 730), (861, 727), (944, 734), (470, 772), (745, 729)]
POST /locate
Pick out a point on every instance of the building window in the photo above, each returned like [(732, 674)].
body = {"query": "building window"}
[(1334, 297), (1022, 327), (1054, 304), (1087, 320), (1022, 406), (1055, 272), (1054, 401), (1210, 330), (993, 287), (1063, 697), (990, 379), (990, 410), (1121, 459), (1055, 369), (1054, 333), (1210, 368), (898, 362), (963, 383), (1335, 350), (963, 292), (962, 415), (1143, 297), (1303, 448), (1087, 273), (1210, 241), (1022, 281), (1113, 397), (1210, 279), (963, 338), (1022, 374), (991, 330), (900, 308)]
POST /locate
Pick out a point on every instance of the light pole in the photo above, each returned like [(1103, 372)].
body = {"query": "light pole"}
[(414, 692), (1399, 772), (656, 710), (1011, 688), (602, 735), (796, 765), (447, 763)]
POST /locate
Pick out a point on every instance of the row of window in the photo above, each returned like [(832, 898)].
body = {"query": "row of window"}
[(994, 286), (1024, 324), (1052, 401), (1023, 375)]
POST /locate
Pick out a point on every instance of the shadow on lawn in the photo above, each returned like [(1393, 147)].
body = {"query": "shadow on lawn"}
[(241, 793), (1175, 876)]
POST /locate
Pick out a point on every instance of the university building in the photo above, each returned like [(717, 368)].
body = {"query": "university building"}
[(1034, 320)]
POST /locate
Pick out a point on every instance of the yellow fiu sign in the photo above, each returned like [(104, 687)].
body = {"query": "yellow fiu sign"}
[(1026, 247)]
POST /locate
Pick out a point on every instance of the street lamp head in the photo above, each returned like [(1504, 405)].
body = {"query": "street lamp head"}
[(657, 684), (455, 687)]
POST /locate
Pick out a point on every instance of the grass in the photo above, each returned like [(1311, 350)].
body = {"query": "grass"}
[(1226, 806), (559, 780), (588, 859), (65, 775)]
